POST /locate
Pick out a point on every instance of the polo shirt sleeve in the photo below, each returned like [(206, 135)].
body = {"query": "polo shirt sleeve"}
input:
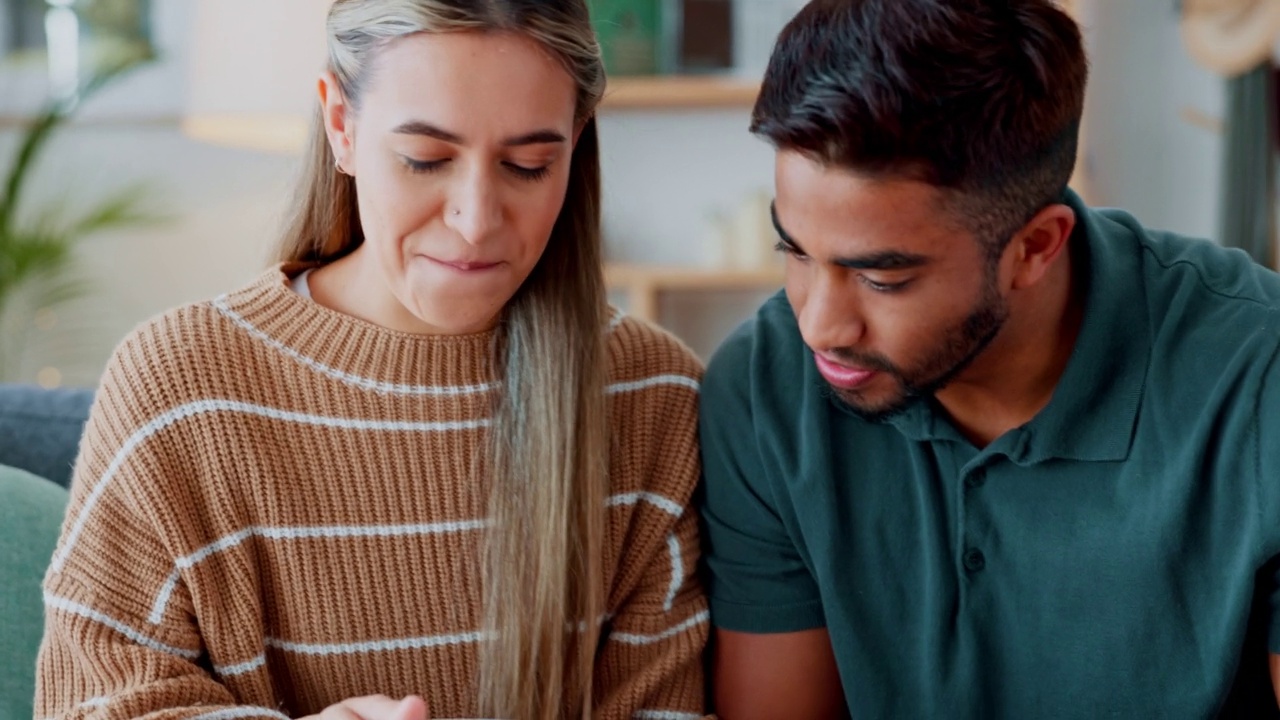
[(757, 579), (1267, 447)]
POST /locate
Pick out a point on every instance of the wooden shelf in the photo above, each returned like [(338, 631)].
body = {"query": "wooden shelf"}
[(657, 92), (643, 284), (679, 91)]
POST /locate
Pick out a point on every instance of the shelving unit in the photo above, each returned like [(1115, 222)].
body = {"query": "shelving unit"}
[(658, 92), (645, 284), (679, 92)]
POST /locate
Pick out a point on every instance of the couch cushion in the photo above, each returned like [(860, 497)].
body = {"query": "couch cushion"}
[(31, 510), (40, 429)]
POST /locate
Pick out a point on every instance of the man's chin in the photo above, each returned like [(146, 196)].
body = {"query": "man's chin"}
[(871, 409)]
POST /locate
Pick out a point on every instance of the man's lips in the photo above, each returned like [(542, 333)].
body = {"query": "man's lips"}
[(841, 376)]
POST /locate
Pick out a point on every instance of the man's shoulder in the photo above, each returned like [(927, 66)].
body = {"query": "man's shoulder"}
[(1201, 273), (1204, 306), (1201, 298)]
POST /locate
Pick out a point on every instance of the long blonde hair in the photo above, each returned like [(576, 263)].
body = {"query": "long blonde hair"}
[(543, 562)]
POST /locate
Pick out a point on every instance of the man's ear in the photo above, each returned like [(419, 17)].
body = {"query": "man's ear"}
[(1039, 244)]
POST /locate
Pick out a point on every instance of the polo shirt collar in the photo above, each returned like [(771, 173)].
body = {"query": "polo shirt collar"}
[(1094, 408)]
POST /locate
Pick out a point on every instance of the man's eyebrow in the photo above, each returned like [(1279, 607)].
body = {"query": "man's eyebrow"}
[(882, 260)]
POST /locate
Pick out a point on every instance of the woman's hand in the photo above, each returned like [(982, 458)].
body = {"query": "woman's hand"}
[(375, 707)]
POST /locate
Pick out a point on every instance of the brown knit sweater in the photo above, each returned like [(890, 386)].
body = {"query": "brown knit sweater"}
[(275, 509)]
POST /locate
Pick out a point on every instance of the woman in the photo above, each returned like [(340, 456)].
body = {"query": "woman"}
[(420, 459)]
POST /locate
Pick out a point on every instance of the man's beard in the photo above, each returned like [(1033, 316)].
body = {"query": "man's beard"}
[(961, 344)]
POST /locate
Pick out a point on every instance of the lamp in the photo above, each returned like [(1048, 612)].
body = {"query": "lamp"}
[(253, 71)]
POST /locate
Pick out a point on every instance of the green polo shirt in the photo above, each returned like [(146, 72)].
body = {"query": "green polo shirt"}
[(1112, 558)]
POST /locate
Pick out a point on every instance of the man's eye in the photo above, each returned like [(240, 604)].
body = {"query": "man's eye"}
[(789, 249), (884, 287)]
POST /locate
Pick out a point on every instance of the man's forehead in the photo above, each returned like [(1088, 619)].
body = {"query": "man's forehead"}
[(842, 221)]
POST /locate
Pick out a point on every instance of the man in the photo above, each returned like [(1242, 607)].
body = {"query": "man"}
[(993, 454)]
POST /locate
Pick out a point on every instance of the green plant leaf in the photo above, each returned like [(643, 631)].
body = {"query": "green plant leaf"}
[(29, 261), (122, 209), (30, 255), (42, 128)]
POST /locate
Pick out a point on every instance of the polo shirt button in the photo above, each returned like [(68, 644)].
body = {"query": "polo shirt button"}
[(976, 479), (974, 560)]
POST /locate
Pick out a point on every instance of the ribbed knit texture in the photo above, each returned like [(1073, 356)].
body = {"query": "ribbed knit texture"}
[(278, 507)]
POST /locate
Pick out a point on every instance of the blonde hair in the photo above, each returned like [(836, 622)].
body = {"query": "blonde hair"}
[(543, 581)]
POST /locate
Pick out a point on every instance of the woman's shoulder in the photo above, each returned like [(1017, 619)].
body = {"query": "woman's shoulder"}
[(653, 392), (182, 349), (640, 352)]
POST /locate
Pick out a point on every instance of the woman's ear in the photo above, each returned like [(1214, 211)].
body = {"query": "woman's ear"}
[(338, 122)]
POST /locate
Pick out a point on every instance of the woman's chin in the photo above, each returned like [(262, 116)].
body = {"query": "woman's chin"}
[(446, 322)]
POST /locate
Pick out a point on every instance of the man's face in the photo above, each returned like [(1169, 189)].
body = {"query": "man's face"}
[(894, 298)]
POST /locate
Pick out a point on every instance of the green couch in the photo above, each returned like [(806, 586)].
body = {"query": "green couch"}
[(39, 437), (40, 429), (31, 510)]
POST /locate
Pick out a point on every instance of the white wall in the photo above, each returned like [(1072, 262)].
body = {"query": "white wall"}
[(665, 174), (222, 209), (1143, 155)]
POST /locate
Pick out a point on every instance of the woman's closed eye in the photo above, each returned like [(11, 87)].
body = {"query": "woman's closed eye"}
[(528, 173), (520, 171), (423, 166)]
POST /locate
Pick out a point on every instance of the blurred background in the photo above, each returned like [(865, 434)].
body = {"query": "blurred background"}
[(147, 152)]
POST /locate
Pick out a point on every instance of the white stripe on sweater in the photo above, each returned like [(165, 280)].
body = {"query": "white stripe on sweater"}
[(242, 668), (345, 531), (90, 702), (469, 638), (656, 381), (76, 608), (665, 715), (223, 307), (353, 648), (301, 533), (241, 712), (663, 503), (202, 407), (635, 639), (370, 646), (677, 571)]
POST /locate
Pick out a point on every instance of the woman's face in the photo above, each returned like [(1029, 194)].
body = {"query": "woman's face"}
[(460, 150)]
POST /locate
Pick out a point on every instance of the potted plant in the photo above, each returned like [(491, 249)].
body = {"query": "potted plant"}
[(37, 258)]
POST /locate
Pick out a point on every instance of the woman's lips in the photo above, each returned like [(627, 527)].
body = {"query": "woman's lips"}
[(466, 266)]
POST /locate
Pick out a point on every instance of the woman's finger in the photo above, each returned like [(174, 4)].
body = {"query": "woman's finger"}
[(372, 707), (411, 708), (338, 712)]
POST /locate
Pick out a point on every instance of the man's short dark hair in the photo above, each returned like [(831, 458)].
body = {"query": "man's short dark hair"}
[(980, 97)]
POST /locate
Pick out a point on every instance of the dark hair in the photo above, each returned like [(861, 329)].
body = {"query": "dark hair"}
[(982, 97)]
